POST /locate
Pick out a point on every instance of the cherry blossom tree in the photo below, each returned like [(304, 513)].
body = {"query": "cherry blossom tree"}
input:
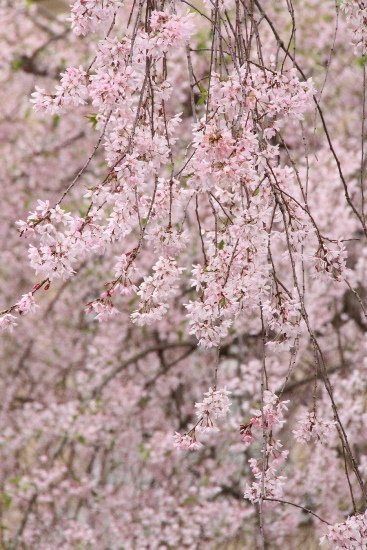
[(182, 277)]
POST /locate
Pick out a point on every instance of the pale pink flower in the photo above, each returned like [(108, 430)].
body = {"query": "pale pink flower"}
[(7, 321), (349, 535), (216, 404), (27, 304), (311, 427), (186, 442)]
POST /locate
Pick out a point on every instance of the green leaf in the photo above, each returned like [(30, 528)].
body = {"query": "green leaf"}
[(202, 88), (6, 500), (201, 99), (55, 121), (17, 64), (92, 118), (256, 192), (15, 479), (203, 94), (360, 60), (190, 499), (143, 401), (202, 40), (143, 452), (221, 245)]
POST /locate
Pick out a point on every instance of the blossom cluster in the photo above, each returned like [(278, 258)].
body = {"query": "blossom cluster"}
[(155, 290), (269, 419), (71, 91), (349, 535), (87, 15), (216, 404), (283, 315), (236, 275), (330, 261), (270, 483), (357, 16), (168, 31), (312, 427), (186, 441)]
